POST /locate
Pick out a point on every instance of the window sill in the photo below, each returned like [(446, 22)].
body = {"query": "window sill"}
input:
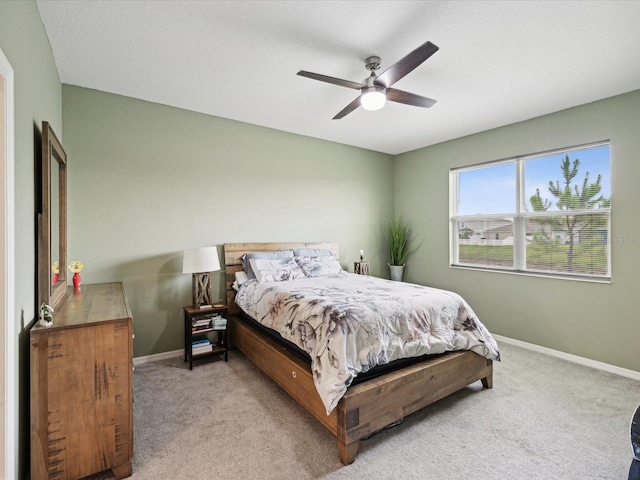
[(554, 276)]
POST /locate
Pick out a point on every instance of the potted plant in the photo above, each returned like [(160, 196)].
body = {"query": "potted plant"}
[(400, 238)]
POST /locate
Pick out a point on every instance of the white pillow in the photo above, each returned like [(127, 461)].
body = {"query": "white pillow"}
[(275, 270), (311, 252), (319, 266), (241, 277), (246, 259)]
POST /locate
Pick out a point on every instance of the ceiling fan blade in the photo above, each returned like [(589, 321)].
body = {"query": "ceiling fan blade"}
[(400, 96), (333, 80), (348, 109), (405, 65)]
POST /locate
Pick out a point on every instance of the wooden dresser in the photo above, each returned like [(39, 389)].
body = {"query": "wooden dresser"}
[(82, 386)]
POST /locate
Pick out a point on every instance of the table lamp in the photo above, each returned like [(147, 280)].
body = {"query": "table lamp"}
[(201, 262)]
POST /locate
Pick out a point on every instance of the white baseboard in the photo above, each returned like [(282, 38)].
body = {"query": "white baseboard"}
[(623, 372), (156, 357)]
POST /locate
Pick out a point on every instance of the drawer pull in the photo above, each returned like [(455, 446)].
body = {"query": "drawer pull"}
[(294, 374)]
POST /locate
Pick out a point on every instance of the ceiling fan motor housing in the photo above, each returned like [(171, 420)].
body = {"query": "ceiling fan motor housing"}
[(372, 63)]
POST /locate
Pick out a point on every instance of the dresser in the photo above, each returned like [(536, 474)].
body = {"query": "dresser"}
[(82, 386)]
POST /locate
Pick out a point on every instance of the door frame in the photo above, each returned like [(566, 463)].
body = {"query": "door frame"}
[(10, 412)]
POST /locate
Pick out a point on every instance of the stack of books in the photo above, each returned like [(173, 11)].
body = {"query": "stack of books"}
[(200, 344), (201, 322)]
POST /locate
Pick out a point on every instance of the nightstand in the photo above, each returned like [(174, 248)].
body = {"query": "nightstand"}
[(199, 325), (361, 268)]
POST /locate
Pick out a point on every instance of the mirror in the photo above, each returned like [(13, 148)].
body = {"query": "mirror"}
[(54, 199), (52, 235)]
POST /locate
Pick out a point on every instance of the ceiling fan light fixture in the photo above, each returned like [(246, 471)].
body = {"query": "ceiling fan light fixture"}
[(374, 88), (373, 98)]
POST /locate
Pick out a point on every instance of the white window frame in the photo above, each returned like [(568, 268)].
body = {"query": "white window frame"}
[(519, 219)]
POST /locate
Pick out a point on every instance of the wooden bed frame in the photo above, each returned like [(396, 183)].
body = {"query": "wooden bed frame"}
[(366, 407)]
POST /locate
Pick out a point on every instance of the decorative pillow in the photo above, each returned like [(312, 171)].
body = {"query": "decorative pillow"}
[(311, 252), (241, 277), (275, 270), (319, 266), (246, 264)]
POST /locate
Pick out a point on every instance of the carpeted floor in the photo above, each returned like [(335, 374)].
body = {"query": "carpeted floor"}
[(544, 419)]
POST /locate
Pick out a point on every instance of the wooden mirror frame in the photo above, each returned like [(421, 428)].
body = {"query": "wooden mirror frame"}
[(51, 292)]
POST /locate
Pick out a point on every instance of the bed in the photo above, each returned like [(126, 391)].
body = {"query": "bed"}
[(365, 407)]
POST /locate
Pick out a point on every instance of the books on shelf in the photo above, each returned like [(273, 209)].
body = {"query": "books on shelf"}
[(200, 344), (196, 350), (205, 322), (199, 328), (202, 322)]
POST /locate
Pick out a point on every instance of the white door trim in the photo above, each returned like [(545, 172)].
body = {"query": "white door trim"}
[(10, 325)]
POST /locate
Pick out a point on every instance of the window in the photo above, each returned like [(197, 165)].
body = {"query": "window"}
[(545, 214)]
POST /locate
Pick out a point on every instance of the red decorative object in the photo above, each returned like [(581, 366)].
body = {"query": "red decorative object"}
[(76, 279), (56, 277)]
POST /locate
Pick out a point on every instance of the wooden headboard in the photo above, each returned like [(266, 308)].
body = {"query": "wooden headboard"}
[(233, 253)]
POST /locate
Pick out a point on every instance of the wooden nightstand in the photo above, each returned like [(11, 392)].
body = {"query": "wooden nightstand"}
[(199, 324), (361, 268)]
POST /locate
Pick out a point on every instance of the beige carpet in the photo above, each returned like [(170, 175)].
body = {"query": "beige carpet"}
[(544, 419)]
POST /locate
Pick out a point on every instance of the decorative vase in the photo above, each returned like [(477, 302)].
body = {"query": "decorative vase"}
[(76, 279), (396, 272), (56, 277)]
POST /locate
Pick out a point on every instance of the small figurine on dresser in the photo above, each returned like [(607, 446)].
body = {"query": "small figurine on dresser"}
[(46, 320), (76, 267)]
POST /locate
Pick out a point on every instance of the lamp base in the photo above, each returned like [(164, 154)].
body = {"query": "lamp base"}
[(202, 289)]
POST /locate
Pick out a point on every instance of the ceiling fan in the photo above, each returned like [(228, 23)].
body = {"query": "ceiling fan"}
[(376, 90)]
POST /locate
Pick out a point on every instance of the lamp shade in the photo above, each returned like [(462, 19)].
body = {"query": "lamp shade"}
[(198, 260)]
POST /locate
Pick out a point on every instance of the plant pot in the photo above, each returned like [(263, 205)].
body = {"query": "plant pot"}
[(396, 272)]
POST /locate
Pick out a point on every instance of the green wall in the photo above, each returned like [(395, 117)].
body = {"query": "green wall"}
[(147, 181), (38, 97), (596, 321)]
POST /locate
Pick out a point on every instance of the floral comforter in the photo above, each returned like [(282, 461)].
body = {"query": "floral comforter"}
[(350, 323)]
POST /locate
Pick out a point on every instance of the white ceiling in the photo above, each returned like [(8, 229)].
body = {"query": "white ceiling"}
[(499, 62)]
